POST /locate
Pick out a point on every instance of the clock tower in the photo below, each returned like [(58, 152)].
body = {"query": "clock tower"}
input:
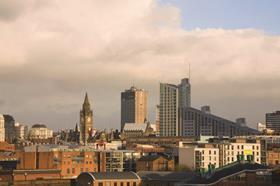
[(86, 121)]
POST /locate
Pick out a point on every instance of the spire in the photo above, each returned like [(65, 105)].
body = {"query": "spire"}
[(86, 99), (77, 128), (86, 104)]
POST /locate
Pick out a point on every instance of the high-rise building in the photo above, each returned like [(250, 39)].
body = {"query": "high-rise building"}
[(168, 113), (200, 123), (273, 121), (9, 128), (184, 92), (86, 121), (21, 131), (133, 106), (172, 99), (2, 128)]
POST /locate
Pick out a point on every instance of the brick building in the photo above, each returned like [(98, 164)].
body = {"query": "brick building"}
[(155, 163), (108, 178)]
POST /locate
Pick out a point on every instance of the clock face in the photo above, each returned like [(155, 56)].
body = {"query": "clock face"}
[(88, 119)]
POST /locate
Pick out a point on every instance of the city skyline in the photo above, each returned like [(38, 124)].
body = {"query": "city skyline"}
[(55, 52)]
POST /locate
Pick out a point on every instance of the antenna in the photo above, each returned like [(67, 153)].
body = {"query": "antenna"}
[(189, 71)]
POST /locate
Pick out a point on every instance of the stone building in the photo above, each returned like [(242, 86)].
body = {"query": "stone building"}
[(39, 131), (86, 122)]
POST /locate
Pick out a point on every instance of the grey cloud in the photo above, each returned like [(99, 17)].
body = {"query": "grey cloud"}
[(10, 9)]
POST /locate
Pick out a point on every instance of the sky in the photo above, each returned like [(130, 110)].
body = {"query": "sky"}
[(229, 14), (53, 52)]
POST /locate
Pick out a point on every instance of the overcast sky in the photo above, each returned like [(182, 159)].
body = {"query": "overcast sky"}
[(53, 51)]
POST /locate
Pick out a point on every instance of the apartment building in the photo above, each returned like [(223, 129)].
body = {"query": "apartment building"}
[(200, 156)]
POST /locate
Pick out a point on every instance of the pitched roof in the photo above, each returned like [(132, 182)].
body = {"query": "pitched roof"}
[(112, 175), (135, 127), (153, 157)]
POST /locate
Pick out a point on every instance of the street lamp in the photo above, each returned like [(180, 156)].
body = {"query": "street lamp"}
[(25, 175)]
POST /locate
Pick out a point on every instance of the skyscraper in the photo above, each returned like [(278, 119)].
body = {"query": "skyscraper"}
[(172, 99), (10, 132), (86, 121), (184, 89), (273, 121), (168, 114), (133, 106)]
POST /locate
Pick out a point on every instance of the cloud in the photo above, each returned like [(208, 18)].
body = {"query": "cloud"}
[(54, 51)]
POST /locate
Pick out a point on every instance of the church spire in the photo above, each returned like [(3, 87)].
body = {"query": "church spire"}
[(86, 104), (86, 99)]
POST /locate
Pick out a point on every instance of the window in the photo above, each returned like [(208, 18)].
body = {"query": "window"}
[(214, 152), (232, 159), (134, 183), (127, 184), (242, 147), (237, 146), (73, 170), (115, 184), (121, 183), (68, 171), (100, 184), (209, 151)]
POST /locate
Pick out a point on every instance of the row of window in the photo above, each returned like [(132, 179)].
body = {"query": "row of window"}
[(116, 184)]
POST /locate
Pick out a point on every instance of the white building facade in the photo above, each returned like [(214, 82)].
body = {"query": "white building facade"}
[(199, 157), (40, 132), (2, 128)]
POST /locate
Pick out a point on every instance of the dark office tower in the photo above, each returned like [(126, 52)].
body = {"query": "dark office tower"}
[(10, 130), (184, 90), (273, 121), (86, 121), (133, 106)]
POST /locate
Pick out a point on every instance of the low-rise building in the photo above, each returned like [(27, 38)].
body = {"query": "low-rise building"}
[(139, 130), (39, 131), (244, 148), (108, 178), (73, 161), (155, 163), (273, 157), (219, 152), (199, 157)]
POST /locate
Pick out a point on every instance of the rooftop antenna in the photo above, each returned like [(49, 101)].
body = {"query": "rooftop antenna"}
[(189, 71)]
